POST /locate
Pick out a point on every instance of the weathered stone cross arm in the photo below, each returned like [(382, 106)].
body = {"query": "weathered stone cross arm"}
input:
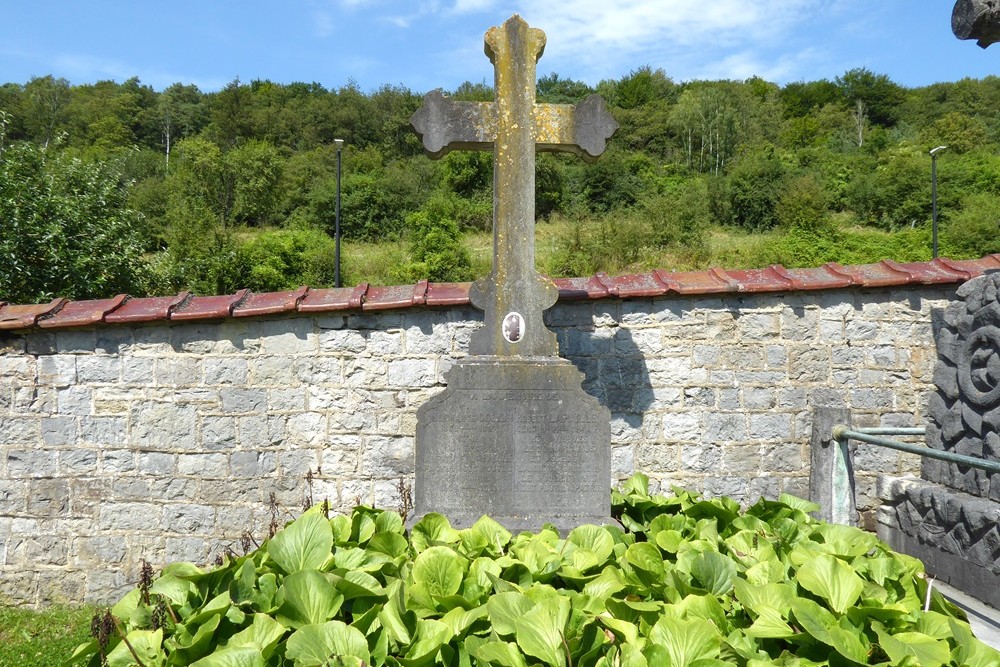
[(445, 125), (514, 295)]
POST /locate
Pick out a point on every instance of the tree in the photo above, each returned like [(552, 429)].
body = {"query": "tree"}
[(65, 228), (880, 96), (180, 113), (45, 101)]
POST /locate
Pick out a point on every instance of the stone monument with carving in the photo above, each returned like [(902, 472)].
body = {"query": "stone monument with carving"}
[(513, 435), (950, 518)]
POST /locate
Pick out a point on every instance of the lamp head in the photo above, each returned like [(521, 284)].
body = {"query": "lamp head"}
[(935, 151), (339, 143)]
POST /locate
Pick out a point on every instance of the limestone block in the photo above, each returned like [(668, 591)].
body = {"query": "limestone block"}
[(412, 373), (290, 336), (31, 463), (341, 341), (230, 371), (212, 466), (74, 400), (92, 369), (244, 401), (187, 518), (771, 426), (272, 371), (178, 371), (725, 427), (217, 432), (163, 426)]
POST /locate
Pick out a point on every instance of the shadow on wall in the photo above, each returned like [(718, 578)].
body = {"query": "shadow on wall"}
[(614, 369)]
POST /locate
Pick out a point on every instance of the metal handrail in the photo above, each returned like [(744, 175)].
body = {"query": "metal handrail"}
[(872, 436)]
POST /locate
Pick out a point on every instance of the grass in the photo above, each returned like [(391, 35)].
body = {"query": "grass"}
[(42, 638)]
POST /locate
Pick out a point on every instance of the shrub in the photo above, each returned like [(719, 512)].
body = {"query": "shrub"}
[(286, 258), (974, 231), (436, 245), (66, 228), (683, 581)]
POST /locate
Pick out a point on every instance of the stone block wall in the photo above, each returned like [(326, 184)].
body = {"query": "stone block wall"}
[(169, 442)]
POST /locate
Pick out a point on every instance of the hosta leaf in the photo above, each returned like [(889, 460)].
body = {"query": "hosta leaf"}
[(605, 585), (503, 654), (495, 535), (314, 645), (304, 544), (969, 651), (145, 643), (844, 540), (261, 635), (540, 632), (440, 570), (755, 597), (356, 584), (714, 572), (430, 636), (798, 503), (390, 544), (823, 627), (927, 651), (236, 656), (594, 538), (174, 589), (504, 610), (686, 640), (389, 522), (307, 598), (831, 579), (433, 529), (769, 625), (669, 540), (646, 557)]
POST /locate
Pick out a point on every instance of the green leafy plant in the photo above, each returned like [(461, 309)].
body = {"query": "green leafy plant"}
[(682, 582)]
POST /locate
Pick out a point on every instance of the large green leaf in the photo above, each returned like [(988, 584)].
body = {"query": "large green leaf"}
[(304, 544), (263, 634), (595, 539), (437, 573), (232, 656), (433, 529), (503, 654), (431, 635), (307, 598), (686, 640), (831, 579), (969, 651), (822, 626), (713, 572), (927, 651), (756, 596), (504, 610), (845, 541), (646, 558), (147, 646), (315, 645), (541, 631)]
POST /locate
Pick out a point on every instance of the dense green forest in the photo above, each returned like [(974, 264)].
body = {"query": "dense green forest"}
[(115, 187)]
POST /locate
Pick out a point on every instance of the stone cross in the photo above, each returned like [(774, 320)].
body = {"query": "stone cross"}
[(514, 295)]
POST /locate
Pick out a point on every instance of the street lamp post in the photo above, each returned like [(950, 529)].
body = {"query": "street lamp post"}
[(339, 143), (934, 222)]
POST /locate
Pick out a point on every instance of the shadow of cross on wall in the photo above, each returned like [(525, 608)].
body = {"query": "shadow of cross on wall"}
[(513, 127)]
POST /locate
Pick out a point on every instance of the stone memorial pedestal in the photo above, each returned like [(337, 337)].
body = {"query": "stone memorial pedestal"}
[(518, 440)]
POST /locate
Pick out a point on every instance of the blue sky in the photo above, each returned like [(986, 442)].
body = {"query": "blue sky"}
[(426, 44)]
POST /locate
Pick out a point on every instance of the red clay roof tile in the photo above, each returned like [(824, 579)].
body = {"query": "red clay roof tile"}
[(60, 313), (26, 316), (208, 307), (270, 303), (82, 313)]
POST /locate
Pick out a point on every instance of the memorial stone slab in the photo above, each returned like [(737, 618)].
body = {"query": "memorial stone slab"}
[(513, 435)]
